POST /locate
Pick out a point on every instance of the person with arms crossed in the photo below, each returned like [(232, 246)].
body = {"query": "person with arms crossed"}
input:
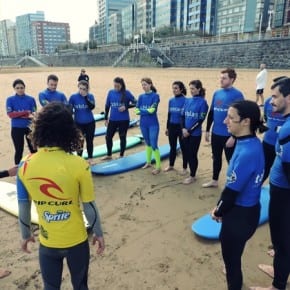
[(220, 137), (57, 189), (194, 113), (51, 94), (239, 205), (20, 108), (173, 125), (83, 76), (261, 81), (119, 100), (279, 206), (146, 107), (82, 104)]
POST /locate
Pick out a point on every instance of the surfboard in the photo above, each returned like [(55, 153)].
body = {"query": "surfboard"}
[(9, 202), (127, 163), (101, 150), (102, 130), (99, 117), (207, 228)]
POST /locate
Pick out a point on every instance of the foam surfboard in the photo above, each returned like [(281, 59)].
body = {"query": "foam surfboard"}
[(102, 130), (207, 228), (99, 117), (9, 202), (101, 150), (127, 163)]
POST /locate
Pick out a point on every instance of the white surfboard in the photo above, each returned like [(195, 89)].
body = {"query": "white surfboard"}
[(9, 202)]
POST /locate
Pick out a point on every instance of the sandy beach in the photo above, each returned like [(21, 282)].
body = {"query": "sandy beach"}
[(146, 219)]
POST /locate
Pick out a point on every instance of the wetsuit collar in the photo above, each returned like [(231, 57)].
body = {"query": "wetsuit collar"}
[(246, 137)]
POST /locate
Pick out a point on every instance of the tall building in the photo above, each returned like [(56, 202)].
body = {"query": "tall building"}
[(235, 16), (105, 9), (146, 10), (115, 28), (47, 36), (25, 39), (287, 13), (128, 15), (279, 13), (8, 45)]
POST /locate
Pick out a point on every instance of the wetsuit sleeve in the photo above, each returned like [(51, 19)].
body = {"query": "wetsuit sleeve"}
[(226, 202), (90, 101), (107, 106), (13, 114), (209, 120), (285, 156), (168, 121), (24, 210), (4, 173), (42, 99), (202, 115), (132, 101), (93, 217)]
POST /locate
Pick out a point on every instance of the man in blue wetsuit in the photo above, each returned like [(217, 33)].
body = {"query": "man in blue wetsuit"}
[(279, 207), (51, 94), (220, 137)]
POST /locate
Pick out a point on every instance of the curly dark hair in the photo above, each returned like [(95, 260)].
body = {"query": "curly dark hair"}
[(54, 126)]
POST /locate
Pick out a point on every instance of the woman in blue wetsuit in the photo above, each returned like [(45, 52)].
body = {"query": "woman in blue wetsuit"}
[(82, 104), (119, 100), (194, 113), (238, 207), (173, 126), (20, 108), (146, 107)]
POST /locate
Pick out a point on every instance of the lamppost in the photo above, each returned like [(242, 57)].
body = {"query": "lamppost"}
[(153, 32), (270, 13), (136, 37), (260, 26), (141, 36)]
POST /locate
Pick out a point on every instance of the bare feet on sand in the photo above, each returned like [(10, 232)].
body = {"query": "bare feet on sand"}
[(263, 288), (267, 269), (4, 273), (271, 253)]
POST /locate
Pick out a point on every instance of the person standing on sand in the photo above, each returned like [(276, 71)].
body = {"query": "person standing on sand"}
[(82, 104), (194, 113), (279, 206), (146, 107), (239, 205), (57, 191), (220, 137), (119, 100), (83, 76), (20, 108), (173, 125), (5, 173), (261, 81), (51, 94)]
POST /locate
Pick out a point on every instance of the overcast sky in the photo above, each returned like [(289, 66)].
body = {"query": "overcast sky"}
[(79, 14)]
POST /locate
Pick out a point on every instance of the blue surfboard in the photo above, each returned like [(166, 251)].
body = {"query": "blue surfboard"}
[(102, 130), (99, 117), (207, 228), (127, 163)]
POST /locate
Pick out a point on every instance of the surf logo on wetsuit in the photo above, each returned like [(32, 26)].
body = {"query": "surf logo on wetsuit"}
[(232, 178)]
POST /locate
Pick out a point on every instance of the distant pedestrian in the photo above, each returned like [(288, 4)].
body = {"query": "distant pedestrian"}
[(83, 76), (51, 94), (261, 81)]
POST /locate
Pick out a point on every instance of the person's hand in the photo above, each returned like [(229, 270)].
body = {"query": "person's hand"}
[(185, 133), (106, 123), (207, 137), (214, 217), (13, 171), (137, 111), (166, 132), (122, 108), (151, 110), (24, 244), (230, 142), (101, 244)]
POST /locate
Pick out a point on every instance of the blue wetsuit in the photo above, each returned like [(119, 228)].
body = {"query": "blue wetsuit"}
[(279, 209), (174, 129), (195, 110), (118, 120), (274, 122), (48, 96), (239, 205), (222, 99), (148, 121), (18, 109), (84, 118)]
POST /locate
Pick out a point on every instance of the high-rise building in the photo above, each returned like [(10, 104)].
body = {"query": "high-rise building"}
[(105, 9), (146, 10), (4, 40), (128, 22), (12, 40), (235, 16), (115, 28), (279, 13), (287, 13), (47, 36), (24, 30)]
